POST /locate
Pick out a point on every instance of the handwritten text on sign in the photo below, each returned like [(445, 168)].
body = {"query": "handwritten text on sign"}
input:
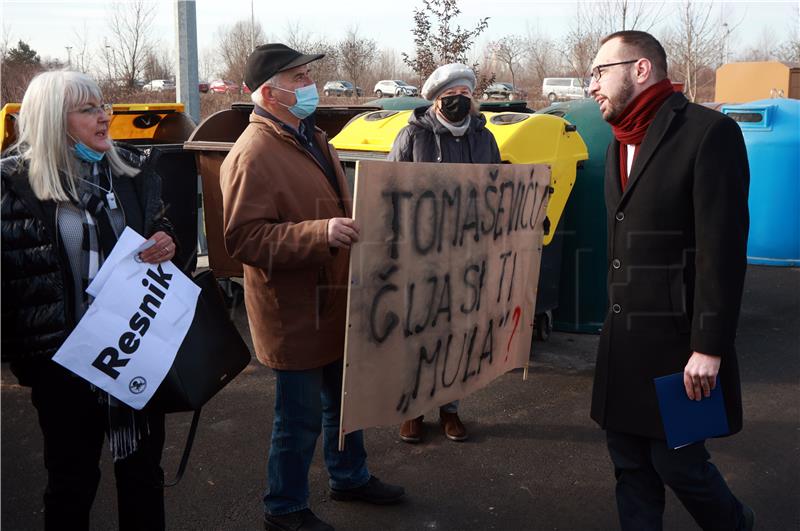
[(442, 284)]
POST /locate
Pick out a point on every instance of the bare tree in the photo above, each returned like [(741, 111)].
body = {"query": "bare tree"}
[(108, 57), (297, 38), (208, 64), (618, 15), (81, 56), (130, 24), (582, 41), (695, 46), (234, 48), (327, 68), (789, 50), (441, 40), (386, 66), (509, 50), (356, 55), (5, 40), (158, 63), (765, 49), (324, 69), (540, 58)]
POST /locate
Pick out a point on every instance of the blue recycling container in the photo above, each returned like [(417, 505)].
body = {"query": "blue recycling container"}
[(771, 130)]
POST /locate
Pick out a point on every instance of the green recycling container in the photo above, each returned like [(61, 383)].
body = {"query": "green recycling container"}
[(583, 298)]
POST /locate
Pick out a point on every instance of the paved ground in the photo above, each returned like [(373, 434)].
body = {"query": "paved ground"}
[(534, 461)]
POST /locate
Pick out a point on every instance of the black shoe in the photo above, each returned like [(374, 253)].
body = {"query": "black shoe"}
[(373, 491), (749, 517), (303, 520)]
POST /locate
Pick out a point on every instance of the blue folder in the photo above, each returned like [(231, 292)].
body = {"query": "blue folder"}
[(687, 421)]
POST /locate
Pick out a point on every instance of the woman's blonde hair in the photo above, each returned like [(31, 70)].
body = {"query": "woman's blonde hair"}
[(42, 138)]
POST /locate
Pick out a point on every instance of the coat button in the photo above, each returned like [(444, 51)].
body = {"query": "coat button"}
[(615, 263), (616, 308), (620, 216)]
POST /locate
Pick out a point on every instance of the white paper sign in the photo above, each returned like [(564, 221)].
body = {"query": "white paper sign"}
[(128, 338)]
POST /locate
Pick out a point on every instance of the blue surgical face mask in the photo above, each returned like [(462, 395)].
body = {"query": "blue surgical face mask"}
[(84, 152), (307, 101)]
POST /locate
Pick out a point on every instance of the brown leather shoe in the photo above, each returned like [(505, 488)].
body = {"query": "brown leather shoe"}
[(453, 428), (411, 430)]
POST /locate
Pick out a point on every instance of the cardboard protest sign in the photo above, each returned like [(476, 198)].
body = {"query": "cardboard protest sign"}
[(127, 340), (442, 284)]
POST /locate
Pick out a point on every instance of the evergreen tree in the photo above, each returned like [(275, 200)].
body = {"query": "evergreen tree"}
[(23, 55)]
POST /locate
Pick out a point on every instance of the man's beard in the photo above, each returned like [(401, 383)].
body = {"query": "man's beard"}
[(617, 104)]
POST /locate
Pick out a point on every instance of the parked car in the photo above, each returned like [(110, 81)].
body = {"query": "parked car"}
[(504, 91), (125, 83), (159, 84), (565, 88), (224, 86), (394, 87), (341, 88), (202, 86)]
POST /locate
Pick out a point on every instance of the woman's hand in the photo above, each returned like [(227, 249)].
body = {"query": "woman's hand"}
[(161, 251)]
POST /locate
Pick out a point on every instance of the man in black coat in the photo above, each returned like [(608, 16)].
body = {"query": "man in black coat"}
[(676, 195)]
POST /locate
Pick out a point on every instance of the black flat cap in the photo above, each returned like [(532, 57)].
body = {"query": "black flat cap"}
[(269, 59)]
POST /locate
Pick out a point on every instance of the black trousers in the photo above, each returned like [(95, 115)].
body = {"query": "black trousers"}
[(643, 466), (74, 425)]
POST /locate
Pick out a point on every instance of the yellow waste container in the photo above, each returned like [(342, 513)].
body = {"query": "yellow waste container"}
[(523, 139), (159, 130)]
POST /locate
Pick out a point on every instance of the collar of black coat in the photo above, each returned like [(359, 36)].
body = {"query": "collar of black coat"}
[(675, 104)]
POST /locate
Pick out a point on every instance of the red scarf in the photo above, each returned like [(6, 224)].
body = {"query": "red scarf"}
[(631, 126)]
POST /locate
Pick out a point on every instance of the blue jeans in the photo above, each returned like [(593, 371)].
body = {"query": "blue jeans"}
[(450, 407), (307, 402)]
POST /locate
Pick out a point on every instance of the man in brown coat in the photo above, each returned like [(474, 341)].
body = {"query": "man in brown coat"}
[(286, 211), (676, 194)]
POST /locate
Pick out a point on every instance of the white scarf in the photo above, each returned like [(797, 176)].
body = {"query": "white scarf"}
[(455, 130)]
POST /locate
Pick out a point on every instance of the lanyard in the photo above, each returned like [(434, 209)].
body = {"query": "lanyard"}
[(111, 200)]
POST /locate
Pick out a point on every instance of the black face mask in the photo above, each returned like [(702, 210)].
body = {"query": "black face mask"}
[(456, 108)]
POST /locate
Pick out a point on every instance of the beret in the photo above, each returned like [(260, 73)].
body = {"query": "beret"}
[(448, 76)]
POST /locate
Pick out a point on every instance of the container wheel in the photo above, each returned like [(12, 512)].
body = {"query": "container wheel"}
[(543, 323)]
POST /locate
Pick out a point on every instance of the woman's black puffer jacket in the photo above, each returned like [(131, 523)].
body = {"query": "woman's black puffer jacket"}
[(425, 139), (37, 293)]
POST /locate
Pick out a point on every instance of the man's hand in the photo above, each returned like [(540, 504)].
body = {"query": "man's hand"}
[(700, 375), (342, 232)]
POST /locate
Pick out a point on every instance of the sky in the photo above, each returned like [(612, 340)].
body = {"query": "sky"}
[(50, 26)]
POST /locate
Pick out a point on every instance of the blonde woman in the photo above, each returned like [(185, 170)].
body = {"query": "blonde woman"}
[(67, 194)]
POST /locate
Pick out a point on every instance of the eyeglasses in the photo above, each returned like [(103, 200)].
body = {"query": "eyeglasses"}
[(597, 71), (95, 110)]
